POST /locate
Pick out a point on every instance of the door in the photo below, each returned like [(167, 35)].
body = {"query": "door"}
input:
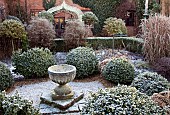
[(59, 26)]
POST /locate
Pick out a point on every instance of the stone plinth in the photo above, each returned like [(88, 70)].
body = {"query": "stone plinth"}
[(62, 105)]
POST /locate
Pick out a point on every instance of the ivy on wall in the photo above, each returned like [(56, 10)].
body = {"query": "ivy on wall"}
[(103, 9), (47, 4), (140, 6), (155, 7), (84, 3)]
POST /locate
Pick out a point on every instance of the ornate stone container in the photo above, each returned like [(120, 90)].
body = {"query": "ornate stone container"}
[(62, 74)]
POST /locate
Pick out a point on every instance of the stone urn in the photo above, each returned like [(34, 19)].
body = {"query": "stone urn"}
[(62, 74)]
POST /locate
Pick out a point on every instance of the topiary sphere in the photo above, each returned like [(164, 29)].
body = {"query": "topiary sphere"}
[(150, 83), (119, 70), (115, 26), (12, 29), (121, 100), (33, 62), (84, 59), (6, 79)]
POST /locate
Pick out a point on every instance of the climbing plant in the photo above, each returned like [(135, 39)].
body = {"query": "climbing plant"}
[(155, 7), (140, 6), (85, 3), (47, 4)]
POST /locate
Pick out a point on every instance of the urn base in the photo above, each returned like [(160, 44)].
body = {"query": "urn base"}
[(62, 92)]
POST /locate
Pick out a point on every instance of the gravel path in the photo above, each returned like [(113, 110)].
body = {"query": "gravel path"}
[(33, 92)]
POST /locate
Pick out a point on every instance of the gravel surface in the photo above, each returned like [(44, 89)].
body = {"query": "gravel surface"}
[(33, 92)]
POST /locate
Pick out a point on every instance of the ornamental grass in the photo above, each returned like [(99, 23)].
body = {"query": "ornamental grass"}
[(156, 33)]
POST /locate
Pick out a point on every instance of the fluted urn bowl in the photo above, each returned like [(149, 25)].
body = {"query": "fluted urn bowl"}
[(62, 74)]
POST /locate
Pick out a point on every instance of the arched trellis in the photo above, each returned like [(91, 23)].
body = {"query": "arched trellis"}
[(67, 8)]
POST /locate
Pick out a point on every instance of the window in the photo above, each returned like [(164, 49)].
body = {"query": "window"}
[(34, 12)]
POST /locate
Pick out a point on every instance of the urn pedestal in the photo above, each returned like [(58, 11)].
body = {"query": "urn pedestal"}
[(62, 96)]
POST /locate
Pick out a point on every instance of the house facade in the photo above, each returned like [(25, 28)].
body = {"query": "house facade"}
[(64, 10)]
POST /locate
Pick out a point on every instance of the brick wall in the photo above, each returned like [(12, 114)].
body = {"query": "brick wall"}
[(131, 30), (32, 4), (2, 2), (35, 4)]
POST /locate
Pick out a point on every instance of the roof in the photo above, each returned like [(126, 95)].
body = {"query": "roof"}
[(70, 2), (37, 4), (67, 7)]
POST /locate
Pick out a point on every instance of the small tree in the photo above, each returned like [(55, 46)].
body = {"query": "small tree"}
[(115, 26), (89, 18), (40, 33), (12, 33), (74, 34)]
